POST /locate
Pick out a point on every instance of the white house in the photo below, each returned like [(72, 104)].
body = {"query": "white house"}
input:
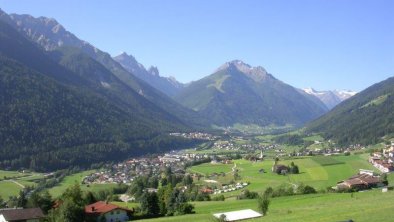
[(103, 211)]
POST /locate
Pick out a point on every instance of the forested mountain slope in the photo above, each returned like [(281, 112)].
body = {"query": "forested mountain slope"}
[(52, 116), (363, 119)]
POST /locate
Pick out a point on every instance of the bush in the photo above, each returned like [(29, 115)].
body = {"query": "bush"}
[(246, 194), (305, 189), (263, 203), (218, 198), (185, 208)]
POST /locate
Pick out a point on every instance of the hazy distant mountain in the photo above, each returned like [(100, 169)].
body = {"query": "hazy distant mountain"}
[(239, 93), (314, 99), (344, 94), (167, 85), (362, 119), (330, 98), (51, 35)]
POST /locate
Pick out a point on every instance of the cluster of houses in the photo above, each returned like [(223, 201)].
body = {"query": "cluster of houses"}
[(384, 160), (196, 135), (365, 179), (125, 172), (224, 145), (327, 151), (229, 188)]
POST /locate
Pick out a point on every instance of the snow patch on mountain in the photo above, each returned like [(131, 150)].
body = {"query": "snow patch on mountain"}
[(330, 98)]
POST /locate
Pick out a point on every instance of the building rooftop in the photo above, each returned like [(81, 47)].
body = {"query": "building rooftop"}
[(21, 214), (239, 215), (101, 207)]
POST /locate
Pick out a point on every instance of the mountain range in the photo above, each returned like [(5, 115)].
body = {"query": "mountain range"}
[(62, 108), (239, 93), (51, 35), (330, 98), (65, 102)]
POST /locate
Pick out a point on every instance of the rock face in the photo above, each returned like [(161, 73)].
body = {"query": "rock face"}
[(239, 93), (330, 98), (167, 85), (47, 32)]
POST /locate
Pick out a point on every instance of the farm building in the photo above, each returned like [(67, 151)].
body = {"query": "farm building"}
[(360, 182), (280, 169), (103, 211), (21, 215)]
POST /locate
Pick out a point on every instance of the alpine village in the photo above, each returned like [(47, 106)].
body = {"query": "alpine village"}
[(86, 135)]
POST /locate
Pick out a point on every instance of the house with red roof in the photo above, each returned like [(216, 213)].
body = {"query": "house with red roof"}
[(104, 211)]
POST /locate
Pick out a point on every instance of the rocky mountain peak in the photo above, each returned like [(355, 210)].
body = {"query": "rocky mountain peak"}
[(47, 32), (124, 54), (153, 70), (126, 57), (258, 73), (129, 62)]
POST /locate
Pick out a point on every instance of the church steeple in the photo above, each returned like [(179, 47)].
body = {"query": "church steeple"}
[(261, 154)]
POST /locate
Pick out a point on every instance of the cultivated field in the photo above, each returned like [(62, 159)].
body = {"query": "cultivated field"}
[(320, 172)]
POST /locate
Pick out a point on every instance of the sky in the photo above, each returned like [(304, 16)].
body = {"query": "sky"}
[(324, 44)]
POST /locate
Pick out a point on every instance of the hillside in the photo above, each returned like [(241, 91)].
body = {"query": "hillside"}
[(52, 118), (363, 119), (108, 85), (301, 208), (51, 35), (239, 93)]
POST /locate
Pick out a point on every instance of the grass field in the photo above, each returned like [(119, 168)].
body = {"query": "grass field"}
[(12, 174), (326, 160), (10, 188), (366, 206), (321, 172), (208, 168), (77, 178)]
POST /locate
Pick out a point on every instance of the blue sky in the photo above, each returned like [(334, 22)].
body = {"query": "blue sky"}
[(325, 44)]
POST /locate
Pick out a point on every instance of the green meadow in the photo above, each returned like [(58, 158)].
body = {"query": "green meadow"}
[(70, 180), (11, 182), (320, 172), (11, 174), (8, 188), (362, 207)]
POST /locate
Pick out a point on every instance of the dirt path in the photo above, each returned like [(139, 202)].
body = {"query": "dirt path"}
[(17, 183)]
